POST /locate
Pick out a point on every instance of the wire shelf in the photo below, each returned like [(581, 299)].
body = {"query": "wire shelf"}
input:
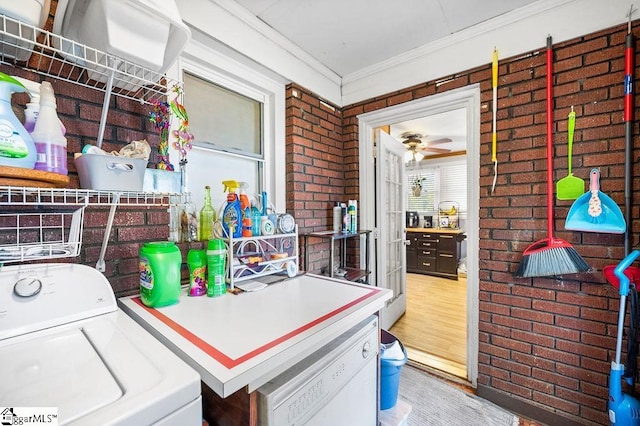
[(55, 56), (39, 235), (26, 196)]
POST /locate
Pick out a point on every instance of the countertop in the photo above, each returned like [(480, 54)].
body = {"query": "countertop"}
[(244, 340), (437, 230)]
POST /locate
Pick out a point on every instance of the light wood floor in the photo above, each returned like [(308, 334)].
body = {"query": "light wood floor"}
[(433, 328)]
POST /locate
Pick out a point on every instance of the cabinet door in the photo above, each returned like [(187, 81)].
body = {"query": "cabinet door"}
[(447, 242), (412, 259)]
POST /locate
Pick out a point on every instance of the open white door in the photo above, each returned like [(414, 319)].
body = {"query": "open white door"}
[(390, 224)]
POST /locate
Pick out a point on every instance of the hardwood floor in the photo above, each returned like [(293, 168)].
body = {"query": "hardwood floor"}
[(433, 328)]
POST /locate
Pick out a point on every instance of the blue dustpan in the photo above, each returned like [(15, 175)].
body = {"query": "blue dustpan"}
[(595, 211)]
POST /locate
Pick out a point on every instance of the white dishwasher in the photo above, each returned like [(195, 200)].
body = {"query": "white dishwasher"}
[(336, 385)]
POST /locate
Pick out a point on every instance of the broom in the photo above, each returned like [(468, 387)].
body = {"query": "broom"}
[(551, 256)]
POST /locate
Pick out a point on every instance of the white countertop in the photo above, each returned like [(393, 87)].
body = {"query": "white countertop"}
[(242, 340)]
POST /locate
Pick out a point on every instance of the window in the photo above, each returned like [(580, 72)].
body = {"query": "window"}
[(437, 181), (237, 115)]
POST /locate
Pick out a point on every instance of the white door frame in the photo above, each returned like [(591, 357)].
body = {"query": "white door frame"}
[(465, 97)]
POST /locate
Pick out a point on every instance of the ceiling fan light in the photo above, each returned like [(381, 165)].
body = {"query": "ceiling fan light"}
[(418, 156), (407, 156)]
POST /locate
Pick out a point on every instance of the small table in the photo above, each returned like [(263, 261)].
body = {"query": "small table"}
[(352, 273)]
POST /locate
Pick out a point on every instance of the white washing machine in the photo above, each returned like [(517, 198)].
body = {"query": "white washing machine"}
[(65, 344)]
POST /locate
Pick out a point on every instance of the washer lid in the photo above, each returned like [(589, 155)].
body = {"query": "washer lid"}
[(58, 370)]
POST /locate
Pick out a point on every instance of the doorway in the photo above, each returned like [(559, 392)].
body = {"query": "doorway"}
[(467, 98)]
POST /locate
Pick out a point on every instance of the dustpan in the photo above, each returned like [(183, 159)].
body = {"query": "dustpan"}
[(595, 211)]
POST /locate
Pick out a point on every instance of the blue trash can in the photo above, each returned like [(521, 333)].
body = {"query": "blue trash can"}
[(391, 361)]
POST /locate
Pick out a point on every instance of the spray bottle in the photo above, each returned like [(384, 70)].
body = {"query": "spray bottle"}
[(33, 106), (16, 145), (51, 144), (245, 207), (232, 213)]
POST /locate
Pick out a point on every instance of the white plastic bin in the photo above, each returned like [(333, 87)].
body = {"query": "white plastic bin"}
[(34, 13), (110, 173)]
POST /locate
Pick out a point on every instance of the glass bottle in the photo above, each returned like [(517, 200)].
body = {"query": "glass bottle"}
[(207, 216), (189, 220)]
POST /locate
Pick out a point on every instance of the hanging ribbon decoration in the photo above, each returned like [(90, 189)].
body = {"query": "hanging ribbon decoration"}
[(494, 136)]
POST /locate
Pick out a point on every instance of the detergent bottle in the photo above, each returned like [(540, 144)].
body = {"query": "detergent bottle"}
[(245, 206), (232, 213), (51, 145), (16, 145)]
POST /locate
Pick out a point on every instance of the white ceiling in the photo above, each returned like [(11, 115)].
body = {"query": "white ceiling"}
[(350, 35)]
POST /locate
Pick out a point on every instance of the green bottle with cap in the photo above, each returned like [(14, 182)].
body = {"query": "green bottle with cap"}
[(216, 258)]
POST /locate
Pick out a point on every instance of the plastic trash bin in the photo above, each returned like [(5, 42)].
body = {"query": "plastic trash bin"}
[(393, 356)]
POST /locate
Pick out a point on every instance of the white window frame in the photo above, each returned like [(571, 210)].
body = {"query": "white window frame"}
[(209, 63)]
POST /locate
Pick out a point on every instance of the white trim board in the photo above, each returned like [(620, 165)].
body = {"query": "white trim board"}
[(469, 99)]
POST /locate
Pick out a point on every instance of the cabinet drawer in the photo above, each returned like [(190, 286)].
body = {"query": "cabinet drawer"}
[(422, 244), (429, 237), (447, 243), (427, 263), (447, 263), (427, 253)]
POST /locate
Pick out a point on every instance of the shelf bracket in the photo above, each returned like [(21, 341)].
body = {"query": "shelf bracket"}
[(105, 105), (100, 265)]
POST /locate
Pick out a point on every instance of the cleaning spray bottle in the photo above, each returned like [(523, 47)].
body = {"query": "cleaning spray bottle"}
[(16, 145), (232, 213), (33, 106), (51, 144), (245, 207)]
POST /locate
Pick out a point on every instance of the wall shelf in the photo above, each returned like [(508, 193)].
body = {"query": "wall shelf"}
[(343, 271)]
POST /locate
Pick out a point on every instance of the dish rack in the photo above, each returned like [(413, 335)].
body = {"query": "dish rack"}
[(252, 257), (47, 223)]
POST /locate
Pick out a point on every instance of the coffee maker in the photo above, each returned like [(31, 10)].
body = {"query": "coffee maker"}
[(413, 220)]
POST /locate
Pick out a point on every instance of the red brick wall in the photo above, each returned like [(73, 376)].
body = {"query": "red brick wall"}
[(316, 168), (547, 342)]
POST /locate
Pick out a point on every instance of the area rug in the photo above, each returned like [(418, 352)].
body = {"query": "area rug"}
[(435, 402)]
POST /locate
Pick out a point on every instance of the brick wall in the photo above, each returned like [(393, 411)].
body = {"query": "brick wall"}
[(546, 344), (318, 167)]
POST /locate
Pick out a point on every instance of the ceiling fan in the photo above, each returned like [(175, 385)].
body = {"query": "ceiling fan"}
[(417, 146)]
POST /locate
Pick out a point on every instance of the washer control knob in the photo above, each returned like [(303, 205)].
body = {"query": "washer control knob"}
[(366, 348), (27, 287)]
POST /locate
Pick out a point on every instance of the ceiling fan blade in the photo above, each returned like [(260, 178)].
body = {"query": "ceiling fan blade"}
[(437, 141), (429, 149)]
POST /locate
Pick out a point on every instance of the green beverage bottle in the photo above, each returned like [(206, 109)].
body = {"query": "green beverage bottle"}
[(207, 216), (216, 256)]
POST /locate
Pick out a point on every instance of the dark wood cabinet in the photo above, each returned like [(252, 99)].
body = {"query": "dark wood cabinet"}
[(434, 252)]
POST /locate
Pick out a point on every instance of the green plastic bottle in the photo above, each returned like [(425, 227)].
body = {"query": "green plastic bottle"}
[(207, 216), (216, 256), (160, 263), (16, 145)]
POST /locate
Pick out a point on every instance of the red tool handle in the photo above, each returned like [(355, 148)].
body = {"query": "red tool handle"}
[(628, 78), (549, 139)]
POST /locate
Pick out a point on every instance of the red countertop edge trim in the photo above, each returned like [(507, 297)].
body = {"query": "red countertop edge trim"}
[(230, 362)]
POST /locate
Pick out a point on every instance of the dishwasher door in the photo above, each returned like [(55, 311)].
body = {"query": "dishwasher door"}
[(336, 385)]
